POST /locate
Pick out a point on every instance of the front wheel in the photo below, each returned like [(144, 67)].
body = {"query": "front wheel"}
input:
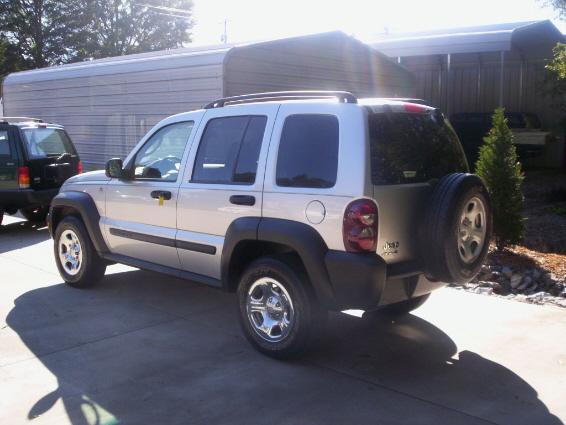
[(277, 309), (35, 214), (78, 262)]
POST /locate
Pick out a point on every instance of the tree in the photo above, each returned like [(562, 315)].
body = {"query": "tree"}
[(119, 27), (558, 5), (501, 171), (39, 31)]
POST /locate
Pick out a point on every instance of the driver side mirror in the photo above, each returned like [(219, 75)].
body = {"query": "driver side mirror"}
[(114, 168)]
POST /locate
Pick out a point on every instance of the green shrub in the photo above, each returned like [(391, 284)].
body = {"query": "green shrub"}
[(501, 171)]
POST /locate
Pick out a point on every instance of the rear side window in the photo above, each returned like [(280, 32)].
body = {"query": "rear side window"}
[(308, 152), (412, 148), (4, 143), (229, 150), (46, 142)]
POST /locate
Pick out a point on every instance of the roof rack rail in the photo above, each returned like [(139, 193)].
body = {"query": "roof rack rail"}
[(343, 97), (19, 119)]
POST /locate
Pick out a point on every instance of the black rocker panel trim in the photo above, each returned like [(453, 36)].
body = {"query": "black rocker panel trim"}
[(146, 265), (159, 240)]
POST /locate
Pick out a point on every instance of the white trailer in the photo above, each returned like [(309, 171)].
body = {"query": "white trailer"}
[(107, 105)]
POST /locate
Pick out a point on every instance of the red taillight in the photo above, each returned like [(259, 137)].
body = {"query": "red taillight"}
[(359, 228), (23, 177), (415, 108), (80, 167)]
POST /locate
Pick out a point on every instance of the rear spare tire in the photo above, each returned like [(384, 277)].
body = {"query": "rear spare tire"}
[(457, 229)]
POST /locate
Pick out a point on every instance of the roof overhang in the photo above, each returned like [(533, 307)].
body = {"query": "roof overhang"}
[(505, 37)]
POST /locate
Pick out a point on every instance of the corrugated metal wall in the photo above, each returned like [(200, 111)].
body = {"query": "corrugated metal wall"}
[(326, 62), (107, 107), (432, 82)]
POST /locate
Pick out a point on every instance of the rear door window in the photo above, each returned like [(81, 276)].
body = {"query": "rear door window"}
[(412, 148), (4, 143), (46, 142), (229, 150), (308, 151)]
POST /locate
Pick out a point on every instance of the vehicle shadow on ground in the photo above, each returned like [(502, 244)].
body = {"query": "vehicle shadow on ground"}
[(22, 234), (143, 348)]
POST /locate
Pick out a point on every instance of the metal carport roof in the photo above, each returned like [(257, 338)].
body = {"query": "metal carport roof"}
[(486, 38)]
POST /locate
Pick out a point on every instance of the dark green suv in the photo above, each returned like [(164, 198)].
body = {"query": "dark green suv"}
[(35, 159)]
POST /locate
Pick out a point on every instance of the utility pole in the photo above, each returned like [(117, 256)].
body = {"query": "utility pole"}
[(224, 36)]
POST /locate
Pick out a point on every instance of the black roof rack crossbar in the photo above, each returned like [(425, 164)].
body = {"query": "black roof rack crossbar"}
[(342, 96), (19, 119)]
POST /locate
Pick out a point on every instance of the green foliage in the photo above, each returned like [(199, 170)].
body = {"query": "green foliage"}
[(120, 27), (558, 64), (501, 171), (38, 33), (558, 5), (37, 30)]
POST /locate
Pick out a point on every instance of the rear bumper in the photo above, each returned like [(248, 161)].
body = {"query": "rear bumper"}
[(21, 198), (365, 281)]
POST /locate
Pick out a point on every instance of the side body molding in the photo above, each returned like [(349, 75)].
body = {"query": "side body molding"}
[(85, 206)]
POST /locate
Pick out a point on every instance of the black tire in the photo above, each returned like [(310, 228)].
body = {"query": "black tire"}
[(440, 244), (92, 268), (402, 308), (35, 214), (308, 318)]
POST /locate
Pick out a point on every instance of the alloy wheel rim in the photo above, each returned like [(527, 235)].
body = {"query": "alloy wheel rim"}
[(270, 309), (472, 230), (70, 252)]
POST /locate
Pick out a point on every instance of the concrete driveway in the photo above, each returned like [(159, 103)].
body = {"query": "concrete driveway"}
[(143, 348)]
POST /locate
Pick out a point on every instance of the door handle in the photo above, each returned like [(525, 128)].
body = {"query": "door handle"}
[(165, 194), (242, 200)]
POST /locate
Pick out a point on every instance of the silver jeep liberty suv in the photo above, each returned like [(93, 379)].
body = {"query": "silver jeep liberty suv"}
[(300, 202)]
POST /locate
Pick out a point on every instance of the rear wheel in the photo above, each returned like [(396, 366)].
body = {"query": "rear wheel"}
[(78, 262), (277, 309), (35, 214)]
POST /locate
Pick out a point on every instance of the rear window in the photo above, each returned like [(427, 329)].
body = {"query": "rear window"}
[(412, 148), (45, 142), (308, 152), (4, 143)]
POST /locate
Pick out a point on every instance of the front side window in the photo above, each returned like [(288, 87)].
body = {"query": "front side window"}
[(229, 150), (44, 142), (160, 157), (4, 143), (308, 151)]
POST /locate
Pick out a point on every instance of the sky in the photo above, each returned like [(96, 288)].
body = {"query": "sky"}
[(250, 20)]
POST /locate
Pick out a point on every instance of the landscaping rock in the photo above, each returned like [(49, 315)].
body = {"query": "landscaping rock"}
[(483, 290), (525, 283), (515, 280), (507, 272), (539, 297)]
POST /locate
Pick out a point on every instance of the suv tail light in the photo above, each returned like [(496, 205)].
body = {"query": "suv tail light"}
[(359, 228), (79, 167), (23, 177)]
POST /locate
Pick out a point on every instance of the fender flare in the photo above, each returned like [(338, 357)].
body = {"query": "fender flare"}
[(84, 204), (300, 237)]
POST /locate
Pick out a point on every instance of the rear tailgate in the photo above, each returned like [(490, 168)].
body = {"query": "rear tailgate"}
[(51, 156), (411, 148)]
